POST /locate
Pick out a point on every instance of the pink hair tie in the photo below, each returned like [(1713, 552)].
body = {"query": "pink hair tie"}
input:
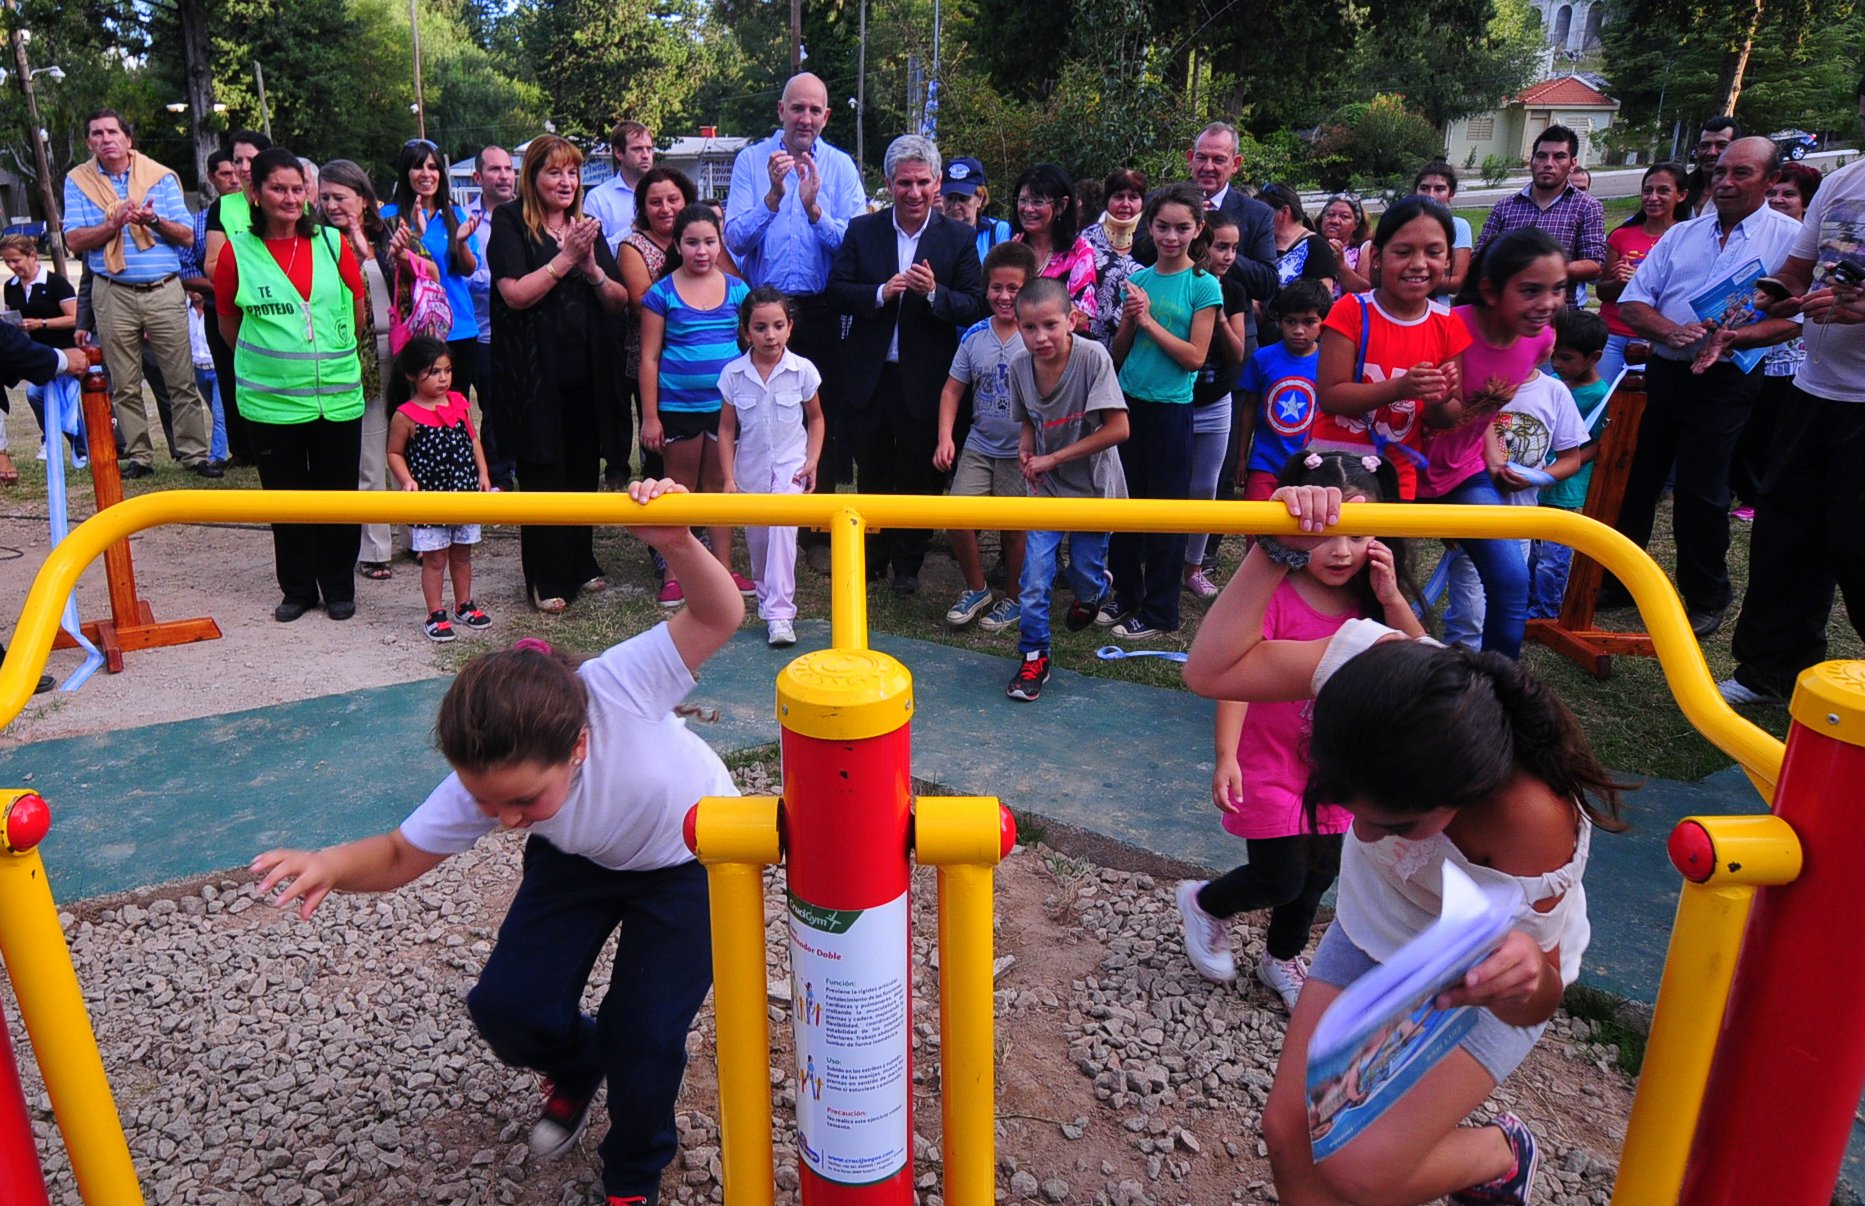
[(532, 645), (1312, 461), (1370, 464)]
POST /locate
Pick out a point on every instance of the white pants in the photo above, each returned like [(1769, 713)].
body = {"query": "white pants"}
[(773, 550)]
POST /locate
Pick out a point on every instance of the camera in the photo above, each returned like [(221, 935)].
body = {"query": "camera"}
[(1848, 272)]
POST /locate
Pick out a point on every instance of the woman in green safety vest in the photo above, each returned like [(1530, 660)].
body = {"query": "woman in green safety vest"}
[(290, 299)]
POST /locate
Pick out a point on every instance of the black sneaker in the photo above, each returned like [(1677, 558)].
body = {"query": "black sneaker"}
[(561, 1122), (1027, 684), (469, 614), (1080, 615), (437, 628)]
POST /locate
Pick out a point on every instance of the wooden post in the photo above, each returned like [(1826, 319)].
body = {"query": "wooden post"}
[(1573, 635), (132, 624)]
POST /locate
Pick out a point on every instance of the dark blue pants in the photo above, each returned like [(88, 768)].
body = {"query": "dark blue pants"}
[(1157, 459), (527, 1003)]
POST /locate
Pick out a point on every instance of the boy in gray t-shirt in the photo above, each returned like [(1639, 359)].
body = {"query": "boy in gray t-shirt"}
[(987, 466), (1066, 395)]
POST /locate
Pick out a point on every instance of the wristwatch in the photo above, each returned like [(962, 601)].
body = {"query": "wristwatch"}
[(1282, 554)]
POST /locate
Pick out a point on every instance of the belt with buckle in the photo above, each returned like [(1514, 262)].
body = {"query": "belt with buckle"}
[(142, 288)]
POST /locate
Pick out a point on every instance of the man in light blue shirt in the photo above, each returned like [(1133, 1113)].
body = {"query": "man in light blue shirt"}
[(792, 198), (124, 213), (613, 201)]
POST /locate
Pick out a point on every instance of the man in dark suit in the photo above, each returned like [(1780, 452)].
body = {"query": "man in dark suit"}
[(908, 277), (1214, 158)]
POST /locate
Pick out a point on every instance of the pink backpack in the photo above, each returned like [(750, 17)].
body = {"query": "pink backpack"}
[(429, 312)]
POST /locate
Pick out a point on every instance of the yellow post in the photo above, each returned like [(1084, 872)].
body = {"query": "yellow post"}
[(736, 837), (848, 580), (965, 837), (50, 1003), (1724, 860)]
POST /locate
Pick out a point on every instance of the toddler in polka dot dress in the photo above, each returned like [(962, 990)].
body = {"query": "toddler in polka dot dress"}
[(432, 446)]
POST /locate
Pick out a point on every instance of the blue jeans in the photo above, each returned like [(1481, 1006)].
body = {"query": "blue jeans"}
[(1501, 566), (209, 385), (527, 1003), (1548, 566), (1087, 577)]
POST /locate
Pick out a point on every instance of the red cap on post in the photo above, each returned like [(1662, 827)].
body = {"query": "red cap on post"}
[(26, 823), (1006, 831), (1692, 851)]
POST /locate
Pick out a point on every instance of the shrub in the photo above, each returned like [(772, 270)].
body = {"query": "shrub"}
[(1378, 141), (1496, 169)]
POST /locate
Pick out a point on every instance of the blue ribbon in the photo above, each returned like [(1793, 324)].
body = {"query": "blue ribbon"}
[(62, 412)]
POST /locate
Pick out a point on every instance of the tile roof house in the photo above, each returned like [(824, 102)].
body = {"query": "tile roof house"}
[(1510, 131)]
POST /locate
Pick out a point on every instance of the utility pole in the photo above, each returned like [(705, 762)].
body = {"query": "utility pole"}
[(54, 224), (420, 106), (265, 111), (796, 36), (198, 76)]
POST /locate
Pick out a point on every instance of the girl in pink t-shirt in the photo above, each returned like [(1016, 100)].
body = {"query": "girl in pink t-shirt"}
[(1516, 287), (1262, 760)]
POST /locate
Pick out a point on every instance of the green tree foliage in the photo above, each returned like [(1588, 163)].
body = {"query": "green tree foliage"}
[(1407, 48), (1668, 63), (598, 60), (94, 43)]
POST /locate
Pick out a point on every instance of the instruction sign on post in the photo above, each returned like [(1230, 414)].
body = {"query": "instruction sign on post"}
[(849, 1012)]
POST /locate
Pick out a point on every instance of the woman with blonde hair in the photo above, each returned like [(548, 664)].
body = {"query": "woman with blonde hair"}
[(553, 281)]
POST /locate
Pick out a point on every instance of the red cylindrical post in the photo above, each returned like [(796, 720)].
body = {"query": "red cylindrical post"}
[(847, 818), (21, 1181), (1790, 1062)]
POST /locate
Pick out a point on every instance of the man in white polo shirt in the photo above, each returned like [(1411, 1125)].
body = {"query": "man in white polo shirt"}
[(1692, 419), (1808, 538)]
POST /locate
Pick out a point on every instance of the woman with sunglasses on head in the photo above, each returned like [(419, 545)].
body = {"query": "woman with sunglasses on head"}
[(554, 366), (290, 299), (427, 225)]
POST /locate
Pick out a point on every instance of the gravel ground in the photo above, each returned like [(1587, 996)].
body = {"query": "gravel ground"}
[(260, 1059)]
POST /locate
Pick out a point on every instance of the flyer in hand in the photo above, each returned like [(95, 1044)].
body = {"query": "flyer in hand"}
[(1384, 1031), (1732, 303)]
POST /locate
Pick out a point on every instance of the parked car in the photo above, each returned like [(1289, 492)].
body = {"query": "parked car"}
[(1795, 144)]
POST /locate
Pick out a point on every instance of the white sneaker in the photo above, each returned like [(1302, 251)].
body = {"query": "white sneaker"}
[(41, 455), (1285, 976), (1736, 695), (1207, 942), (780, 634)]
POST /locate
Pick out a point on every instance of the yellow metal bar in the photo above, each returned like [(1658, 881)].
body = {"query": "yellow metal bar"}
[(965, 837), (1741, 855), (52, 1006), (735, 837), (744, 1045), (847, 516), (967, 1046), (848, 580)]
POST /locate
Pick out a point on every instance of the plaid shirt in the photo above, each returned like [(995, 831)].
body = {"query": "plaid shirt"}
[(140, 265), (1575, 219)]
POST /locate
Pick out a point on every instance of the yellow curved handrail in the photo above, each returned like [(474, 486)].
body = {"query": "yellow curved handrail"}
[(1678, 653)]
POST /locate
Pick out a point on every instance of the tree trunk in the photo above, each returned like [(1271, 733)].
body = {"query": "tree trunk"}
[(198, 76), (1735, 63)]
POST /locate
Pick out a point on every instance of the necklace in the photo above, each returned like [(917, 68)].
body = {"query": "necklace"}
[(292, 260)]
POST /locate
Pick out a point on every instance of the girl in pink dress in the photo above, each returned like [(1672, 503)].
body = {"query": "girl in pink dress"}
[(1262, 759)]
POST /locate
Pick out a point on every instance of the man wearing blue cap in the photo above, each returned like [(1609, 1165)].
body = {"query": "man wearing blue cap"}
[(963, 196)]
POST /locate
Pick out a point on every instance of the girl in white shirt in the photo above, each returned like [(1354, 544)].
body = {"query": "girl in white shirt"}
[(770, 440), (1442, 756), (595, 761)]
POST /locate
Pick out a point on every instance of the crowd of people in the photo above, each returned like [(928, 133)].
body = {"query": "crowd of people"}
[(1124, 337)]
